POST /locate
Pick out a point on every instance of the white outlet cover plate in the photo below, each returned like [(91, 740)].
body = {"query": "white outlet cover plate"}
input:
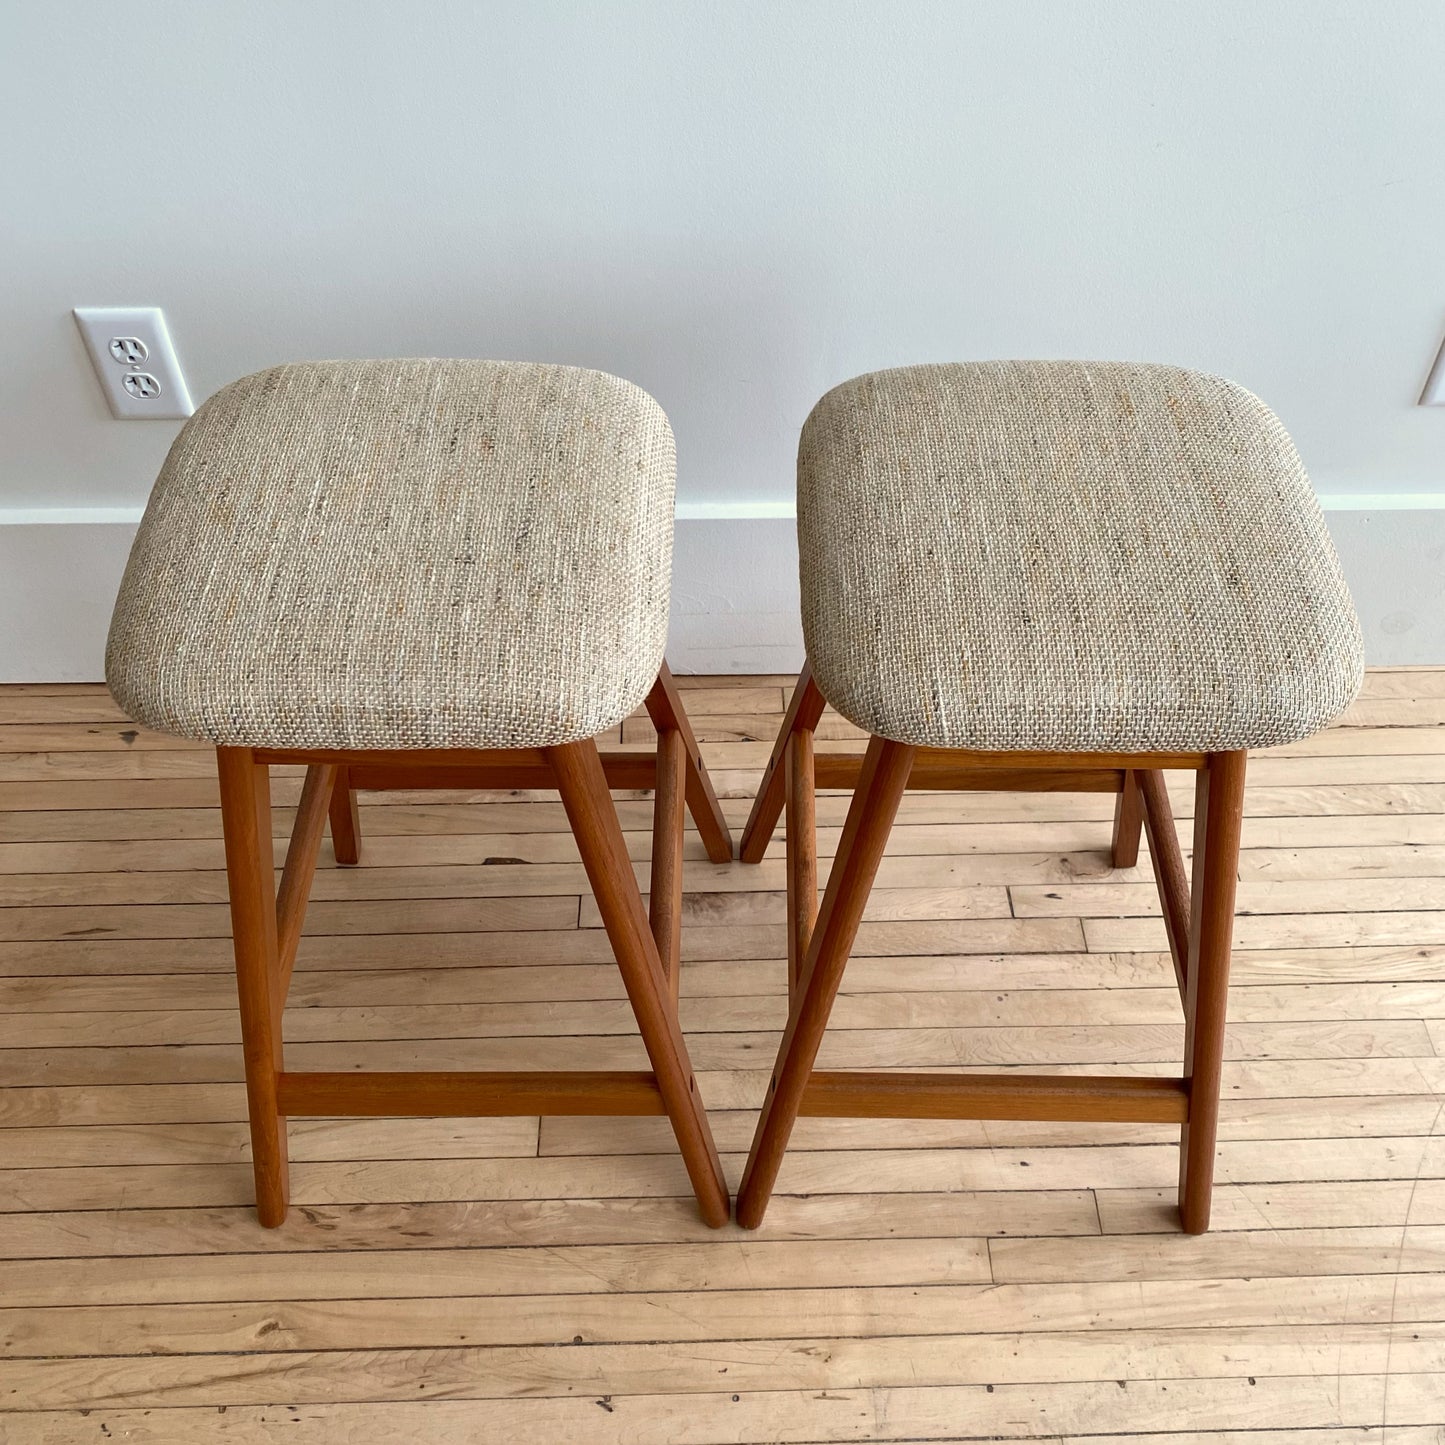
[(135, 361)]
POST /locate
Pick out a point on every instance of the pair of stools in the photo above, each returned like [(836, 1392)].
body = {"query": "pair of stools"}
[(1054, 576)]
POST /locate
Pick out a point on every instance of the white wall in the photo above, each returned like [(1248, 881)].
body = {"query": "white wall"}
[(734, 204)]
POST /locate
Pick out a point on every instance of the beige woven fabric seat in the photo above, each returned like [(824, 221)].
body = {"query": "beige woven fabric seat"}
[(1067, 557), (402, 554)]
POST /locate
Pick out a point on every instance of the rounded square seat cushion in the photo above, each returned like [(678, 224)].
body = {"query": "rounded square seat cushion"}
[(402, 554), (1068, 557)]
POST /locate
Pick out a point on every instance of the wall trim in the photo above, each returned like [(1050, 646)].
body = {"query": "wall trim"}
[(734, 592), (1382, 502), (756, 510), (70, 516)]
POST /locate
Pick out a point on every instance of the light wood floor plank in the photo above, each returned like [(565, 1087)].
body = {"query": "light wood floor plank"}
[(1382, 974), (895, 1414), (760, 1313), (1245, 1162), (923, 1048), (1305, 1204), (1061, 1008), (736, 1263), (818, 1363), (550, 1224), (1420, 1249), (1287, 930)]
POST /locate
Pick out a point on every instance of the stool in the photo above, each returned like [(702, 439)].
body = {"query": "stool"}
[(1056, 576), (424, 574)]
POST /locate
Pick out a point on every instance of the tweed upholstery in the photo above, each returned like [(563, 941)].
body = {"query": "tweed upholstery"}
[(1067, 556), (402, 554)]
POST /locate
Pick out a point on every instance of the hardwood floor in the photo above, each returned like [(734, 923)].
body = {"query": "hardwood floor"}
[(466, 1280)]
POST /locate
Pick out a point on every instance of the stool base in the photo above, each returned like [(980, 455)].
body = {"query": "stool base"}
[(1198, 922), (266, 925)]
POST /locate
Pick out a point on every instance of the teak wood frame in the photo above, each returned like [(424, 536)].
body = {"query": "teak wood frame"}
[(266, 924), (1198, 921)]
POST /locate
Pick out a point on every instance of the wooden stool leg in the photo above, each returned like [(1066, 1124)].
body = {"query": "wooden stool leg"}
[(804, 711), (664, 898), (251, 875), (1128, 822), (345, 821), (870, 819), (664, 707), (580, 780), (1218, 815), (801, 834)]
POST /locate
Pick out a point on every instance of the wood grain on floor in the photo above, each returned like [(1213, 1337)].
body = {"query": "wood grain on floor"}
[(465, 1280)]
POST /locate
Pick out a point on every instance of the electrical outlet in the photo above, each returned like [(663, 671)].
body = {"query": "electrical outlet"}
[(135, 362)]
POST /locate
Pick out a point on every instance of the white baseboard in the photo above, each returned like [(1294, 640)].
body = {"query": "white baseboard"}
[(58, 581), (735, 585)]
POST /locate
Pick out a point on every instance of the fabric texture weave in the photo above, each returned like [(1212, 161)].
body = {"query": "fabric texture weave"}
[(402, 554), (1068, 556)]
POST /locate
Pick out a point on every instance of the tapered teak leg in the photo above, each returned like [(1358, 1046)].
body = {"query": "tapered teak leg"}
[(664, 707), (801, 833), (804, 711), (345, 820), (664, 898), (580, 780), (860, 850), (251, 875), (1169, 873), (1128, 823), (1218, 815)]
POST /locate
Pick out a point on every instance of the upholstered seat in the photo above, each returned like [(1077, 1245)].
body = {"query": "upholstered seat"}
[(402, 554), (1067, 556)]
